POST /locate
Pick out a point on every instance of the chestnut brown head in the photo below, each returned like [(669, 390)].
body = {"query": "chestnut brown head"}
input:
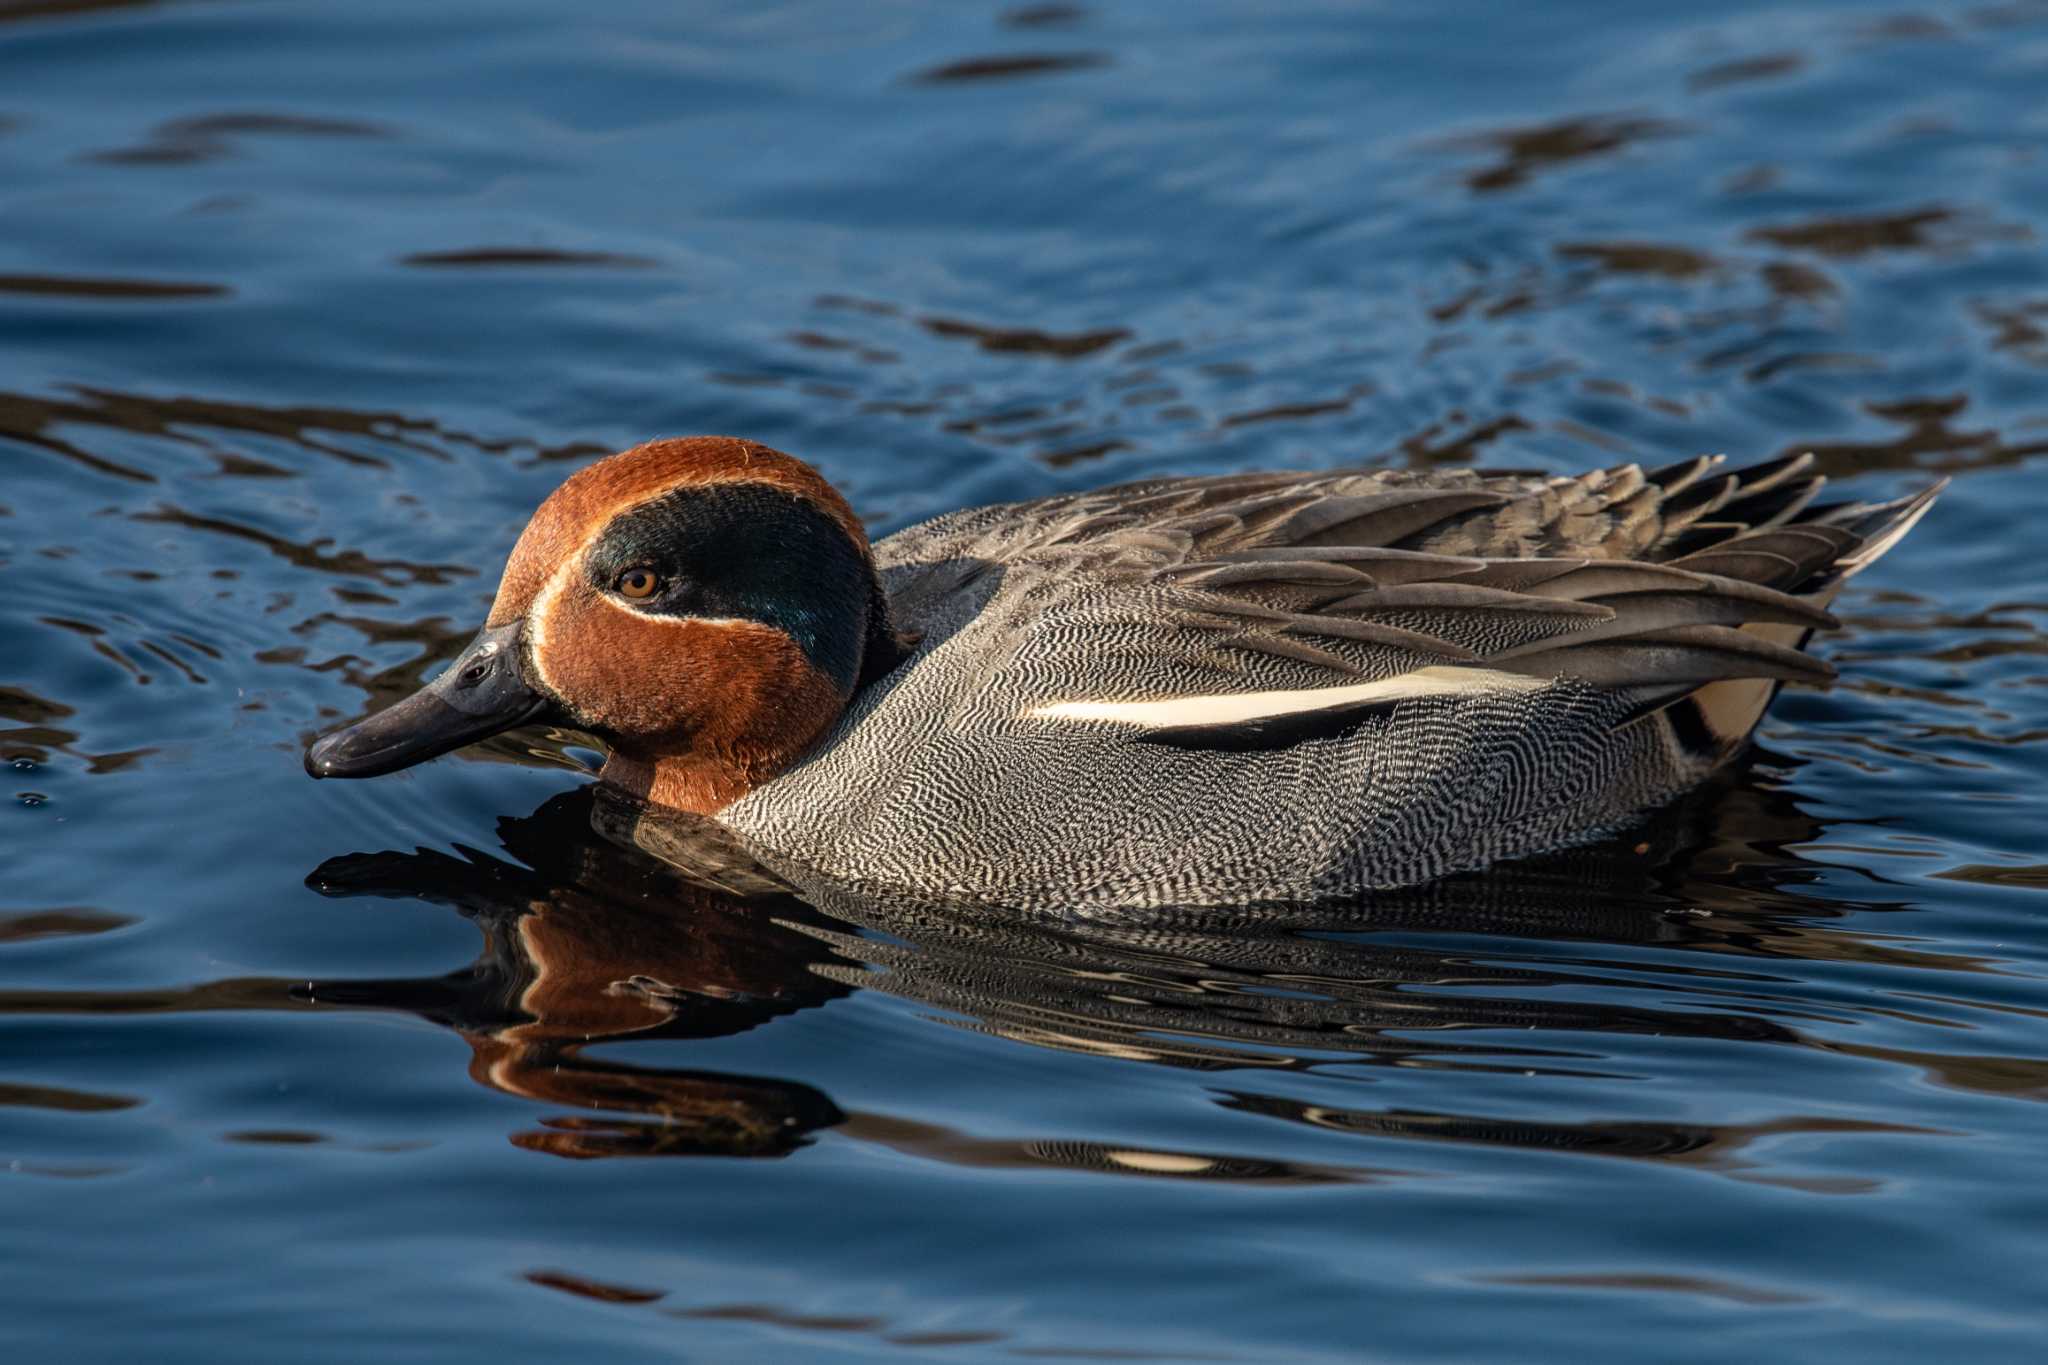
[(705, 606)]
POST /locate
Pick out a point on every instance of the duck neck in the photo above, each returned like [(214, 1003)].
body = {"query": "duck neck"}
[(761, 708), (683, 782)]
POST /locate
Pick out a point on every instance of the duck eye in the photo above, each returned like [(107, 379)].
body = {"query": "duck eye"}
[(638, 584)]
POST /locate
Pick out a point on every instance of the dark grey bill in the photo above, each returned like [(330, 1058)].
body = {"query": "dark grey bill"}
[(479, 695)]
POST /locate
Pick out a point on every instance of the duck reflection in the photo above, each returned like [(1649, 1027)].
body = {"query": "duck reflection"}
[(605, 921), (587, 943)]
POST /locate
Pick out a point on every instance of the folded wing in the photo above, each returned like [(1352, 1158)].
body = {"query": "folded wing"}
[(1259, 610)]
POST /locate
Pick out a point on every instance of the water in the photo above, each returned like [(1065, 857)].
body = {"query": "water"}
[(302, 309)]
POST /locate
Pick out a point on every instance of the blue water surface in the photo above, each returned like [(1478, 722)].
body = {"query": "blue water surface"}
[(304, 306)]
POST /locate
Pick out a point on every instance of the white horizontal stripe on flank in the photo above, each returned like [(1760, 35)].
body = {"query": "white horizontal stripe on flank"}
[(1238, 708)]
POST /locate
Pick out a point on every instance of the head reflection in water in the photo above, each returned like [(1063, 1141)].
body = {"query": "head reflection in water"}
[(590, 943), (606, 922)]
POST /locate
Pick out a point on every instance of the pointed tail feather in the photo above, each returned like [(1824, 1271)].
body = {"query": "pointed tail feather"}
[(1714, 720), (1880, 525)]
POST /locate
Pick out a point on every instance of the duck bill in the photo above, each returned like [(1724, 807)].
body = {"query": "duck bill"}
[(483, 693)]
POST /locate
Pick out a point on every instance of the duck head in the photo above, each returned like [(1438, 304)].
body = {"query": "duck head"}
[(706, 607)]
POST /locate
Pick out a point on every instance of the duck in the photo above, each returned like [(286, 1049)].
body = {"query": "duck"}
[(1248, 688)]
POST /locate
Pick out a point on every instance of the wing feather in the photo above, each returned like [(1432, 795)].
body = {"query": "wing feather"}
[(1650, 584)]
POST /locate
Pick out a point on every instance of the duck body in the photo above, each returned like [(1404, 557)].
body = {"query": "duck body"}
[(1258, 687)]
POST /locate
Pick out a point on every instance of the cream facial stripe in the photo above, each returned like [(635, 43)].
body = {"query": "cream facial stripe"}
[(544, 602), (1243, 707), (551, 591), (537, 615)]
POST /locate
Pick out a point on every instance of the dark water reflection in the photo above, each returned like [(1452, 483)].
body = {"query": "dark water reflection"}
[(303, 308), (586, 941), (600, 925)]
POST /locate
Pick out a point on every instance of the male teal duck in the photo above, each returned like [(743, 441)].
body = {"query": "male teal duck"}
[(1247, 687)]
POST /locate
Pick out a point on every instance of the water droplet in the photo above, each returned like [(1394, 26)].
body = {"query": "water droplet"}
[(31, 798)]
